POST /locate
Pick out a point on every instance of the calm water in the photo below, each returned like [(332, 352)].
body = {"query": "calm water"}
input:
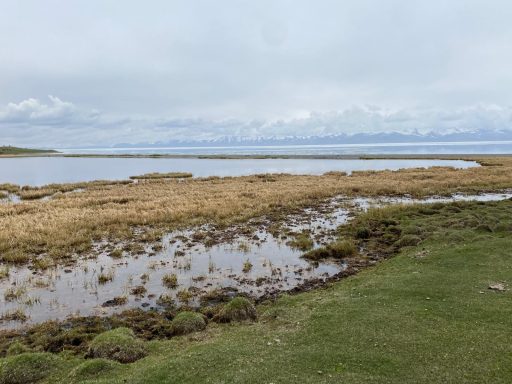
[(46, 170), (426, 148)]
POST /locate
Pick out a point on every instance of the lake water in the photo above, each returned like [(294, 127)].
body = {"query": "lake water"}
[(425, 148), (46, 170)]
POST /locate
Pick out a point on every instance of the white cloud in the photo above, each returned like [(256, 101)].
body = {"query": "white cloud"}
[(34, 112), (61, 124)]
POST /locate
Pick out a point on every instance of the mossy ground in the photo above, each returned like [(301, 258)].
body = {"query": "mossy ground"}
[(423, 316)]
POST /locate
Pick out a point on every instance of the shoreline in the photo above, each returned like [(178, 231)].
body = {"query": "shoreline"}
[(433, 156)]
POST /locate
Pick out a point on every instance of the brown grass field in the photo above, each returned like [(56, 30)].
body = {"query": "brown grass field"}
[(67, 224)]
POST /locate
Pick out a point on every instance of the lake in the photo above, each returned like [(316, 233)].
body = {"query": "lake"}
[(47, 170)]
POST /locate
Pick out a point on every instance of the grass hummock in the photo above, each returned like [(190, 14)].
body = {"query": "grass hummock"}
[(119, 344), (188, 322), (238, 309), (26, 368)]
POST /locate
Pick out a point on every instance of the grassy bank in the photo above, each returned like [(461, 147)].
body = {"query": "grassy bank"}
[(424, 316), (67, 225), (13, 151)]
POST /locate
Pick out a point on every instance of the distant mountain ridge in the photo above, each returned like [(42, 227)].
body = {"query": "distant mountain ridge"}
[(338, 139)]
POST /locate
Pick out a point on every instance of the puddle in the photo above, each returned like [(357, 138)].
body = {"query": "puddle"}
[(364, 203), (249, 259)]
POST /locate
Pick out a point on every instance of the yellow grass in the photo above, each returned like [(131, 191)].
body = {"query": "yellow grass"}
[(66, 225)]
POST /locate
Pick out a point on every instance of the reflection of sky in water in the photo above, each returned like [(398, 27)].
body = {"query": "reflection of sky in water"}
[(75, 289), (46, 170)]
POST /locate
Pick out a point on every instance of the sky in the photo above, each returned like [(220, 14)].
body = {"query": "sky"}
[(99, 72)]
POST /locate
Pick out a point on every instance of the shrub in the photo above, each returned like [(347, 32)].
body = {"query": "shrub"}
[(238, 309), (26, 368), (119, 344), (187, 322)]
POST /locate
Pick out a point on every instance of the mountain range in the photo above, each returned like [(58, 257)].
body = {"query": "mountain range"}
[(338, 139)]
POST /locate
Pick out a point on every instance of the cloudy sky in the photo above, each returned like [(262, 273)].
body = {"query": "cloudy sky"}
[(105, 71)]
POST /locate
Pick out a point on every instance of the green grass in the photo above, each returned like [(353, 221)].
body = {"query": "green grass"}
[(423, 316), (8, 150)]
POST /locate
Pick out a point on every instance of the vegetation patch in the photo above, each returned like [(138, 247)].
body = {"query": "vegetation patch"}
[(26, 368), (119, 344), (92, 368), (9, 150), (337, 250), (301, 241), (170, 280), (111, 210), (169, 175), (188, 322), (238, 309)]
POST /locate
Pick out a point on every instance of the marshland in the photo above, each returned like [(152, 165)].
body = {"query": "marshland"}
[(170, 260)]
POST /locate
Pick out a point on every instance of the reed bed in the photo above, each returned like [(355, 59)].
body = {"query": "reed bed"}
[(67, 226)]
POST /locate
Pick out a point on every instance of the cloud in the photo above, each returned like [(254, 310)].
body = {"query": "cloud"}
[(63, 124), (262, 60), (57, 112)]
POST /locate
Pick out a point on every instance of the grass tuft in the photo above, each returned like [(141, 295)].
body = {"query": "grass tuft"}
[(238, 309), (119, 344), (26, 368), (188, 322)]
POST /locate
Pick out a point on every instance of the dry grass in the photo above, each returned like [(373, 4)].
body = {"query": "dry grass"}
[(157, 175), (64, 227)]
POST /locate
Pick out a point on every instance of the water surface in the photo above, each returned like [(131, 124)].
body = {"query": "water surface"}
[(47, 170)]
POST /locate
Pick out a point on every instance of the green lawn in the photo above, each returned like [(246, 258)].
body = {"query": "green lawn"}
[(423, 316)]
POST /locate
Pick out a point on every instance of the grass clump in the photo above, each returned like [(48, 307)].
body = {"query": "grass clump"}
[(14, 315), (14, 293), (157, 175), (247, 266), (116, 253), (170, 280), (26, 368), (105, 277), (92, 368), (238, 309), (408, 241), (301, 241), (119, 344), (337, 250), (17, 348), (4, 272), (188, 322)]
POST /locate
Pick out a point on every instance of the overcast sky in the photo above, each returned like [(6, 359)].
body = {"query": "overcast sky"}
[(106, 71)]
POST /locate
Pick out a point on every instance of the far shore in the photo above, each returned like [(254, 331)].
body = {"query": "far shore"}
[(52, 153)]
